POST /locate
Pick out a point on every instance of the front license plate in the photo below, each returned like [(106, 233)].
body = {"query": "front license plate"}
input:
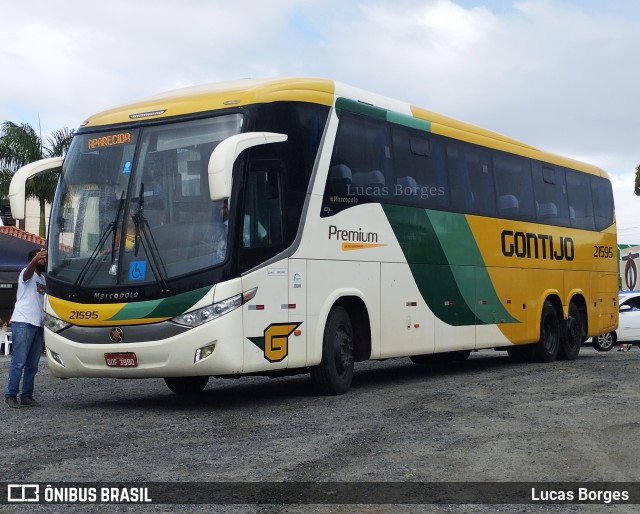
[(121, 360)]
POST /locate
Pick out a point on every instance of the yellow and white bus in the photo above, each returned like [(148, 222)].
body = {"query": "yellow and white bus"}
[(301, 225)]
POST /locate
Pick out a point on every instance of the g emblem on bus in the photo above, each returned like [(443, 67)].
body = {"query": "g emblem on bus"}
[(275, 342), (116, 335)]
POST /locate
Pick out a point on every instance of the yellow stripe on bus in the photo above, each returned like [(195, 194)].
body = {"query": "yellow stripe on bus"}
[(90, 314)]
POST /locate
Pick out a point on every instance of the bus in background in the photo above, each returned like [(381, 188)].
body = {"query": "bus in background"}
[(301, 225)]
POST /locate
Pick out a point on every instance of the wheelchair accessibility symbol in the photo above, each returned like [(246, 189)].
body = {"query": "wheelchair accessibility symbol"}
[(137, 270)]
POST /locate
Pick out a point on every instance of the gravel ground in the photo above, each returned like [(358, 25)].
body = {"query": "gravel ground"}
[(484, 420)]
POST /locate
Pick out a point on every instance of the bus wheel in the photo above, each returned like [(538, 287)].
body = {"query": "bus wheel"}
[(604, 342), (571, 336), (186, 385), (334, 373), (546, 350)]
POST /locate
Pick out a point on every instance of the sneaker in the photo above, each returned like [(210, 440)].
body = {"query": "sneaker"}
[(11, 401), (29, 402)]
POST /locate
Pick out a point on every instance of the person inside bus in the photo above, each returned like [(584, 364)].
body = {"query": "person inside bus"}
[(220, 237)]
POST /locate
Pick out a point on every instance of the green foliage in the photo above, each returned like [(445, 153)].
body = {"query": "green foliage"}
[(636, 189), (5, 179), (20, 145)]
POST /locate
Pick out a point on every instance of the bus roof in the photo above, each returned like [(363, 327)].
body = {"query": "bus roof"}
[(222, 95)]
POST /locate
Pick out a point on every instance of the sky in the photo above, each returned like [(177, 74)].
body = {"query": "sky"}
[(561, 75)]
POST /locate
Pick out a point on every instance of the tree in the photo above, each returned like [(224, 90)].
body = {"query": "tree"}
[(636, 190), (20, 145)]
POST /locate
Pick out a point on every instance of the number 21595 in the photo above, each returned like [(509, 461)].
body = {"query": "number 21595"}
[(83, 315), (603, 252)]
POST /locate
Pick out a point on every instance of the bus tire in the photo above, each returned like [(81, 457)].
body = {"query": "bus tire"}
[(186, 385), (547, 348), (571, 335), (334, 374)]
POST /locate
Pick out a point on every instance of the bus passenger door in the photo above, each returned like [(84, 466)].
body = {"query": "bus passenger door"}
[(266, 326)]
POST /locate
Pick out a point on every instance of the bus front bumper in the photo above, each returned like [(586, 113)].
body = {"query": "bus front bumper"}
[(184, 354)]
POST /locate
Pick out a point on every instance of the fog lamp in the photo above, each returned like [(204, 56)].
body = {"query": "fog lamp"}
[(204, 352), (56, 357)]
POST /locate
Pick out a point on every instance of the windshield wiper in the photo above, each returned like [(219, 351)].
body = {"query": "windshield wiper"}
[(112, 227), (113, 270), (144, 235)]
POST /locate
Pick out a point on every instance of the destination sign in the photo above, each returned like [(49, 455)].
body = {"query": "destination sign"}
[(110, 140)]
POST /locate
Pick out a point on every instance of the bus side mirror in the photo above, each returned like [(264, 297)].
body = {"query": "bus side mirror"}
[(17, 194), (226, 153)]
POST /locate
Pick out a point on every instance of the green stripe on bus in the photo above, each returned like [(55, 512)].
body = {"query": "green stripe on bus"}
[(164, 308), (447, 266), (461, 252), (408, 121), (344, 104)]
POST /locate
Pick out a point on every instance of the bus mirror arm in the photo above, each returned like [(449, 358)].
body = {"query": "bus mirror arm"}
[(19, 180), (226, 153)]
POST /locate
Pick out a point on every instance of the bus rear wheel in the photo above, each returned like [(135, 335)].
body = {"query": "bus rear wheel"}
[(572, 335), (334, 374), (547, 348), (186, 385)]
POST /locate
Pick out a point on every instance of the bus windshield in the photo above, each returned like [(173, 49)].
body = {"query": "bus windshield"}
[(133, 206)]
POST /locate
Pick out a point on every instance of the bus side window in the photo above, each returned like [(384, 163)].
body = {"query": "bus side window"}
[(580, 205), (549, 190), (470, 179), (360, 162), (602, 202), (419, 168), (513, 186)]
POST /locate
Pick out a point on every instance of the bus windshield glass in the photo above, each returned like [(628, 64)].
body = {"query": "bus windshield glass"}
[(133, 206)]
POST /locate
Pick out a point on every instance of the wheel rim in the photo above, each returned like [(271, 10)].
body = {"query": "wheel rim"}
[(605, 340)]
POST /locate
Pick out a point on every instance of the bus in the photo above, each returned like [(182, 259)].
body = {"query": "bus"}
[(299, 225)]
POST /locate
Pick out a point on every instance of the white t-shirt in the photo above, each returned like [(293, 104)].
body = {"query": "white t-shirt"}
[(30, 300)]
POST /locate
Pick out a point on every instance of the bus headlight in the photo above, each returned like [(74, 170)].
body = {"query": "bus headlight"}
[(55, 324), (211, 312)]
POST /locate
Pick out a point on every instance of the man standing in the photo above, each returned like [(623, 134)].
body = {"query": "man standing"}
[(27, 332)]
